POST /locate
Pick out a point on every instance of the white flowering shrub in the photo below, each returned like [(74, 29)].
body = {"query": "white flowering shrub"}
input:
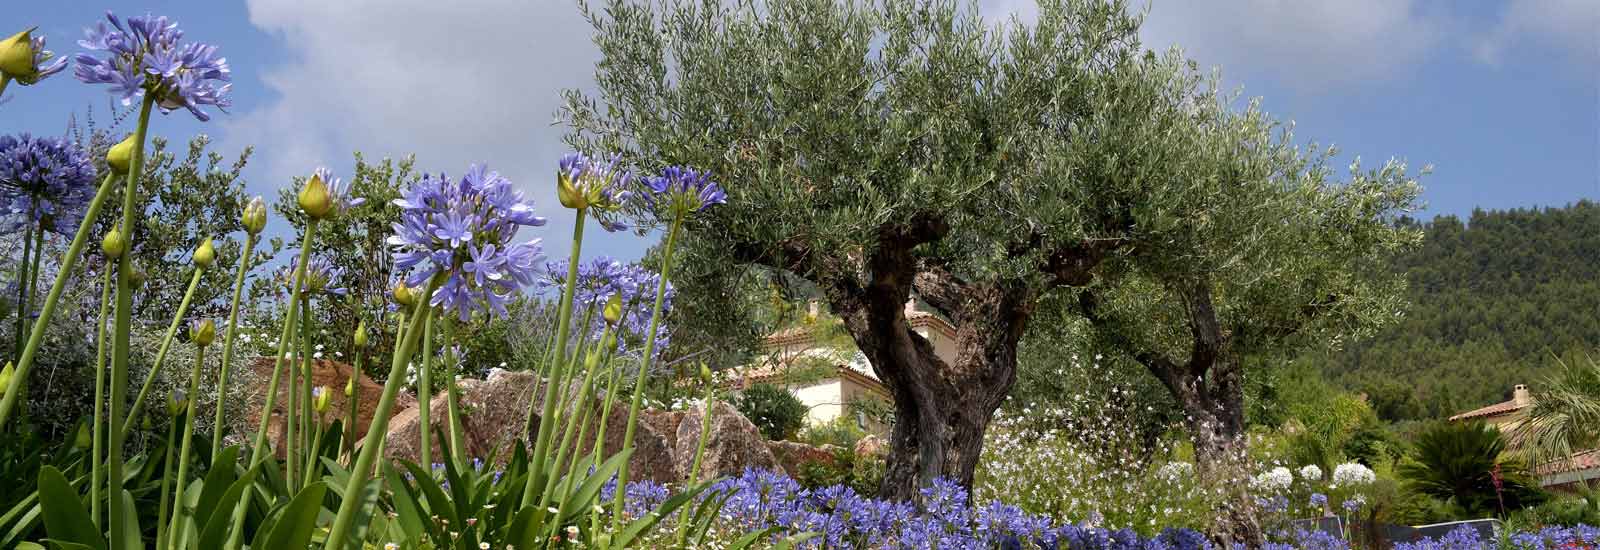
[(1086, 463), (1352, 474)]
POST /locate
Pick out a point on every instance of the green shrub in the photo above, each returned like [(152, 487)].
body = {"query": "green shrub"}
[(861, 473), (774, 410), (841, 432)]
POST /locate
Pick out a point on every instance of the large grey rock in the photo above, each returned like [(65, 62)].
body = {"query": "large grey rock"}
[(735, 444), (333, 375), (494, 413)]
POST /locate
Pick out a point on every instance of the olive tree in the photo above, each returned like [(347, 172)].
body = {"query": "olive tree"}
[(884, 150)]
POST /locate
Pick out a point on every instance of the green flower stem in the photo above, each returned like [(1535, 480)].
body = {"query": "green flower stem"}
[(161, 354), (166, 485), (227, 344), (425, 389), (96, 474), (308, 365), (699, 453), (347, 434), (48, 310), (644, 367), (592, 364), (291, 409), (178, 524), (313, 457), (563, 325), (33, 278), (610, 395), (453, 395), (124, 327), (258, 450), (544, 371), (370, 447), (22, 290)]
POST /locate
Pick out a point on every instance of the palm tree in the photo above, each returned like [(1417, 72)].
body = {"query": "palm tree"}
[(1465, 462), (1566, 416)]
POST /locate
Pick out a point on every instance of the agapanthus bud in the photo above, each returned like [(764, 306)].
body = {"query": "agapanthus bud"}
[(321, 397), (350, 386), (205, 254), (361, 334), (16, 55), (314, 198), (136, 276), (114, 244), (202, 332), (705, 372), (120, 156), (5, 377), (176, 403), (613, 311), (254, 218), (568, 192), (403, 295), (145, 424), (84, 438)]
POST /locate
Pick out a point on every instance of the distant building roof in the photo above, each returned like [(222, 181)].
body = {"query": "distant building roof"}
[(1520, 399)]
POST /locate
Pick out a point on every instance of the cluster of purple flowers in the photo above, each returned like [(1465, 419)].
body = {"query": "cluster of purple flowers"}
[(601, 186), (598, 280), (42, 66), (760, 499), (43, 180), (147, 56), (322, 277), (463, 229), (682, 190)]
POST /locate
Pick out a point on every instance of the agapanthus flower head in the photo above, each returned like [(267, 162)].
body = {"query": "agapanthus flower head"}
[(463, 230), (43, 180), (681, 190), (602, 277), (146, 56), (1354, 504), (324, 195), (24, 59), (599, 185), (322, 277), (202, 332)]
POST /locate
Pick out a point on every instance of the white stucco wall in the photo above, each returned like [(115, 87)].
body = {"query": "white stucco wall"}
[(824, 399)]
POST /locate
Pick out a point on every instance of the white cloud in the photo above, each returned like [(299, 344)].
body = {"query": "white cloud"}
[(1306, 45), (1570, 26), (453, 82)]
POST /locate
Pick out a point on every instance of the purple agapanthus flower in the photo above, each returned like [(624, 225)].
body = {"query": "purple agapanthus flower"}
[(681, 190), (322, 277), (146, 56), (464, 229), (338, 191), (603, 276), (45, 181), (43, 65), (603, 184)]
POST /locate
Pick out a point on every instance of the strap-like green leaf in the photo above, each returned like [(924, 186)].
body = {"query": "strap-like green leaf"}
[(214, 531), (293, 531), (65, 520), (788, 543), (408, 512), (218, 481)]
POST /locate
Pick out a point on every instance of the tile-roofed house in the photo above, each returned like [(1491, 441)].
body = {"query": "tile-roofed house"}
[(1506, 415), (1509, 416), (845, 376)]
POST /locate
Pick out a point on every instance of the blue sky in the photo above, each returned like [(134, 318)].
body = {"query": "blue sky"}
[(1502, 98)]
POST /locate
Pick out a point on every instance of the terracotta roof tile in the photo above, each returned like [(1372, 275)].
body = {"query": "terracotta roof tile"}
[(1497, 409)]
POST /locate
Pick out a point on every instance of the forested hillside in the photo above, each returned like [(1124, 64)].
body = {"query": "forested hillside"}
[(1494, 302)]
